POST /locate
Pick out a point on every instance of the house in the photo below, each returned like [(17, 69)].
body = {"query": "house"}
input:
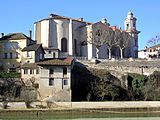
[(53, 77), (33, 53), (70, 36), (150, 52), (11, 45)]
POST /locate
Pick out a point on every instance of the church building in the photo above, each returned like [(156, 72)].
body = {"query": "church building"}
[(63, 36)]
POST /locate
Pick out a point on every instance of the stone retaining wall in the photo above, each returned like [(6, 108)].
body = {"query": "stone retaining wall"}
[(86, 105), (126, 66)]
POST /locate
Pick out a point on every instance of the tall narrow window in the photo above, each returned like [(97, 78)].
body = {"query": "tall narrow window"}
[(25, 71), (54, 54), (37, 71), (51, 82), (64, 45), (16, 54), (127, 26), (134, 24), (29, 54), (31, 71), (51, 71), (75, 46), (65, 82), (11, 55), (64, 71), (5, 55), (40, 56)]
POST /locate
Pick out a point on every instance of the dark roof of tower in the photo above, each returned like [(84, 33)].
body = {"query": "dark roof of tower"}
[(33, 47)]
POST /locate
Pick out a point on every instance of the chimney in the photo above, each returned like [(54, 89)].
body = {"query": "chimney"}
[(2, 34), (114, 28), (51, 15), (30, 34), (81, 19)]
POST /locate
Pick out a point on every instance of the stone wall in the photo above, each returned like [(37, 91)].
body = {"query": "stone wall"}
[(88, 105), (119, 68), (126, 66)]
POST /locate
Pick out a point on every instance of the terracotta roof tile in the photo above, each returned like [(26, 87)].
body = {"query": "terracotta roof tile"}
[(29, 65), (56, 62)]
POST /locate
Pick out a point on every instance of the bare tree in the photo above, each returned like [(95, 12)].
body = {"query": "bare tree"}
[(111, 39), (154, 41), (104, 35), (123, 41), (97, 37)]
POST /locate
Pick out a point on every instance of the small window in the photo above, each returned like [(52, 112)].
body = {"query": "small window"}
[(25, 71), (12, 69), (51, 82), (31, 71), (37, 71), (16, 54), (29, 54), (65, 82), (40, 56), (127, 26), (51, 71), (65, 71), (54, 55), (11, 56), (134, 24), (49, 52), (5, 55)]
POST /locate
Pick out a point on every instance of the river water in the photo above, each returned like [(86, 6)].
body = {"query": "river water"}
[(77, 118), (66, 115)]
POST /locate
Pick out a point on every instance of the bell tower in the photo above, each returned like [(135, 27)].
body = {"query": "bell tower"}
[(130, 27), (130, 22)]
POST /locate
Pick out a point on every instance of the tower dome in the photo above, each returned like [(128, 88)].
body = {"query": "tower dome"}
[(104, 21), (130, 13)]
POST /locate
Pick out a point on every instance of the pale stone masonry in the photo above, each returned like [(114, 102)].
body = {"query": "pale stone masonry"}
[(53, 77), (70, 36)]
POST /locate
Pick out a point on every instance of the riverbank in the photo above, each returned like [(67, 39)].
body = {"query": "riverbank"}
[(132, 108), (86, 105), (71, 113)]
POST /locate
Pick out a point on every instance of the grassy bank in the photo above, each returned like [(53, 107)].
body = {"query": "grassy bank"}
[(80, 113)]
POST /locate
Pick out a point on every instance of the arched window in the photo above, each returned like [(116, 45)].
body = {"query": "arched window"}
[(64, 45)]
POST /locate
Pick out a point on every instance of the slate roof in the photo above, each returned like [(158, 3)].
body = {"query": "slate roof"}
[(56, 62), (33, 47), (14, 36)]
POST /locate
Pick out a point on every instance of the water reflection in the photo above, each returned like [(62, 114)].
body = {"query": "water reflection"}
[(122, 118)]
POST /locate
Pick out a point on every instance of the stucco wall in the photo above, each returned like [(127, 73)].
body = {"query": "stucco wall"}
[(58, 87)]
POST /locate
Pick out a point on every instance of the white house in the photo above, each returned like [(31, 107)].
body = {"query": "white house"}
[(150, 52)]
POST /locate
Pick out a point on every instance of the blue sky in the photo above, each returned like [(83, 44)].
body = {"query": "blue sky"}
[(19, 16)]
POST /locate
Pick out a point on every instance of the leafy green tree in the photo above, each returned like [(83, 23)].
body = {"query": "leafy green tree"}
[(138, 86), (9, 87), (152, 87)]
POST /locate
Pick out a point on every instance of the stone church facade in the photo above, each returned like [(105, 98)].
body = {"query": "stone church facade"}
[(63, 36)]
